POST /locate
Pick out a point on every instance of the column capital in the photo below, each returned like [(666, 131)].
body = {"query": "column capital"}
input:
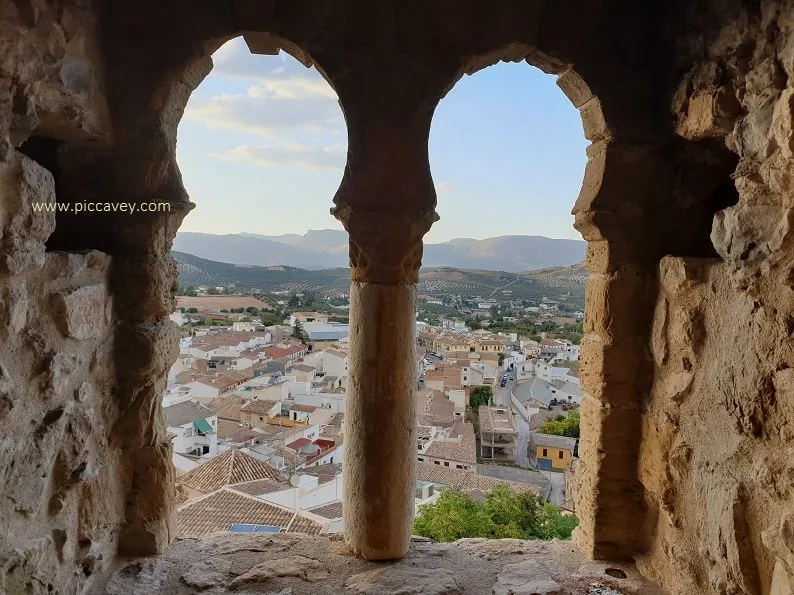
[(385, 244), (387, 199)]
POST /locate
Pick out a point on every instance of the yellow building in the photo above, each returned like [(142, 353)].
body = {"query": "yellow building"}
[(551, 453)]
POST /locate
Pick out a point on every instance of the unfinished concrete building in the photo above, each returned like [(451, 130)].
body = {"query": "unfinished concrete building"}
[(688, 359), (497, 434)]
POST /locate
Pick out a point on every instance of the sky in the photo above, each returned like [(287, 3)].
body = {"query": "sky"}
[(262, 146)]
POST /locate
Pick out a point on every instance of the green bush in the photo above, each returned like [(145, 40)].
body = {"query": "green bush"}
[(505, 513)]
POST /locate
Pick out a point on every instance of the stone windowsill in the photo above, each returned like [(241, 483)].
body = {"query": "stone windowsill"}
[(295, 564)]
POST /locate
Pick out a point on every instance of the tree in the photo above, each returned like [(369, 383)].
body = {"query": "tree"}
[(212, 291), (192, 310), (501, 359), (562, 426), (298, 332), (270, 319), (453, 516), (505, 513), (480, 395)]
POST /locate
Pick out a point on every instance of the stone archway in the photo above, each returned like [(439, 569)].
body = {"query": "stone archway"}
[(86, 340)]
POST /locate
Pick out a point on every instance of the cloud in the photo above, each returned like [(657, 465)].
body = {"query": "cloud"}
[(311, 158), (285, 96), (233, 59), (270, 112)]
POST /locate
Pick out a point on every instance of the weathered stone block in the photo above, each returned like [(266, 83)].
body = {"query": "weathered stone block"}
[(84, 312)]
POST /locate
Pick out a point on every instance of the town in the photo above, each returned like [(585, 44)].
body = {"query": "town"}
[(255, 406)]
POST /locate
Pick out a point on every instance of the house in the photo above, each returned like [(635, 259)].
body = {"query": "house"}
[(207, 386), (537, 392), (307, 317), (497, 434), (549, 452), (228, 343), (329, 362), (258, 412), (530, 349), (301, 413), (228, 406), (231, 510), (192, 428), (303, 373), (441, 476), (561, 349), (454, 447), (433, 408), (230, 467), (286, 352)]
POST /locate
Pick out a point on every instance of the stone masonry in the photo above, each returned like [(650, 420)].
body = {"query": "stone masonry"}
[(686, 205)]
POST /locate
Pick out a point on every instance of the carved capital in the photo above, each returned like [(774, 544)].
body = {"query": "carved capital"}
[(385, 244)]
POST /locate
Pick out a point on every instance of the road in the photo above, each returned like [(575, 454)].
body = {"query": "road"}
[(522, 439), (502, 399), (557, 495)]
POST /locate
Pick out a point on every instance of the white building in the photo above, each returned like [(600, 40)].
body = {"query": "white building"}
[(192, 427), (178, 318)]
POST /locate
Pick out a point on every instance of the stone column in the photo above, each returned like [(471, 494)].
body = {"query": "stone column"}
[(386, 202)]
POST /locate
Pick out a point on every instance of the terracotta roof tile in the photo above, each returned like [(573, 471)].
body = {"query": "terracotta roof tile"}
[(261, 486), (465, 480), (221, 509), (228, 468), (329, 511), (258, 406), (227, 407)]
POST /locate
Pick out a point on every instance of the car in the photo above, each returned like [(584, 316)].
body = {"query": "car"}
[(503, 383)]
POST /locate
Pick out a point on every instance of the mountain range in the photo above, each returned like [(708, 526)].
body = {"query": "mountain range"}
[(565, 284), (328, 248)]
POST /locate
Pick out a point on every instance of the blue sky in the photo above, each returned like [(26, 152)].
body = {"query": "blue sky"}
[(262, 149)]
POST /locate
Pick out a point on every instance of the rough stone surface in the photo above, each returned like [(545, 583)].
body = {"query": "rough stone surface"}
[(686, 204), (293, 566), (403, 581), (382, 326), (525, 578), (227, 563)]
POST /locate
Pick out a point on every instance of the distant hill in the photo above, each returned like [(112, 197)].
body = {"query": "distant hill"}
[(564, 283), (328, 248)]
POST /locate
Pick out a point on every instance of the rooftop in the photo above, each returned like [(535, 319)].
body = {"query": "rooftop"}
[(259, 406), (329, 511), (466, 480), (225, 469), (460, 445), (552, 441), (221, 509), (495, 420), (228, 406), (261, 486), (184, 413)]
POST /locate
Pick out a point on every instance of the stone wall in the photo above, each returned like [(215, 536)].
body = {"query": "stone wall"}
[(716, 461), (67, 474), (686, 205)]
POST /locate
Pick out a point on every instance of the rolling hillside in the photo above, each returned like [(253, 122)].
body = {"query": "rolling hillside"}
[(566, 284), (328, 249)]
